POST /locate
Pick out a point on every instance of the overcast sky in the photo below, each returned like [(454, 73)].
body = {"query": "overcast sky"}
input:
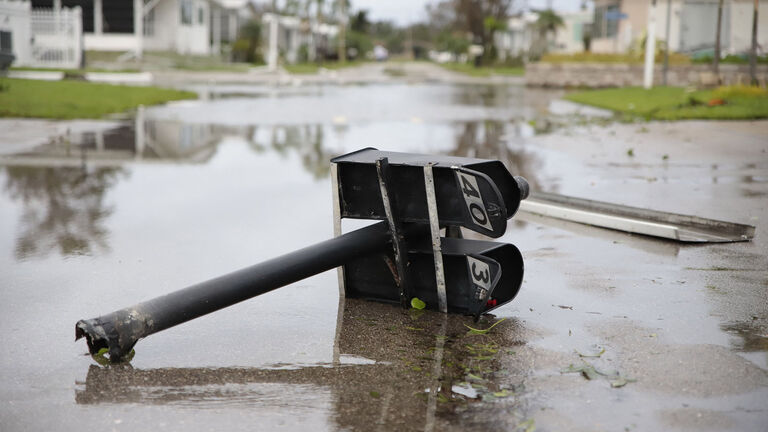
[(409, 11)]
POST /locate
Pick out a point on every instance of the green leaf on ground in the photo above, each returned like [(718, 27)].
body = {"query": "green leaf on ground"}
[(526, 426), (602, 351), (416, 303), (475, 377), (483, 331)]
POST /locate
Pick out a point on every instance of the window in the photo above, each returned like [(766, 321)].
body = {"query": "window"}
[(606, 25), (5, 42), (200, 16), (186, 12)]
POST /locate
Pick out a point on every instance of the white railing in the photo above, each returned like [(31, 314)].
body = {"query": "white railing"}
[(57, 38)]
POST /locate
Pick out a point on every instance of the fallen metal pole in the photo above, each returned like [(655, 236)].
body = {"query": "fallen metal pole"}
[(672, 226), (120, 330)]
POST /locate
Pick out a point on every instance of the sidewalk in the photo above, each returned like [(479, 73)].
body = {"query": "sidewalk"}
[(368, 73)]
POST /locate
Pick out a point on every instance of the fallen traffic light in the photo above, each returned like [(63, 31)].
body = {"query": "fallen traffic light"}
[(400, 258)]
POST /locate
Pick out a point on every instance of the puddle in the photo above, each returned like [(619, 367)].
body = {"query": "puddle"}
[(63, 185), (393, 368), (96, 221)]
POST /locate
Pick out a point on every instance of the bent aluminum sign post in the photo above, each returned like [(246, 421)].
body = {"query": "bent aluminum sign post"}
[(400, 258)]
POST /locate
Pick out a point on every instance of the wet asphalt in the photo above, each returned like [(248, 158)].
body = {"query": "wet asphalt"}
[(610, 331)]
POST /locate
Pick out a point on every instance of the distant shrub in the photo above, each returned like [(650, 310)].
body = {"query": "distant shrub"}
[(739, 91), (731, 59), (590, 57)]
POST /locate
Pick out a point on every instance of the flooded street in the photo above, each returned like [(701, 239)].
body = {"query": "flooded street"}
[(609, 332)]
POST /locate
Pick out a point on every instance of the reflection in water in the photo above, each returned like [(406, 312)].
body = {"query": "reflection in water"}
[(62, 185), (527, 102), (652, 245), (751, 337), (419, 358), (488, 140), (64, 209), (307, 141)]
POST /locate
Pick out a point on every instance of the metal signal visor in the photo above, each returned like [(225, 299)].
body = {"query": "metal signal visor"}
[(418, 195)]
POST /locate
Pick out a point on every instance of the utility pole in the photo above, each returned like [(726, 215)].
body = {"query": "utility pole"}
[(650, 47), (666, 51), (138, 27), (753, 53), (342, 31), (716, 59)]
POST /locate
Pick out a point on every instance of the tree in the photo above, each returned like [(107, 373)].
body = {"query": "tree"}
[(250, 40), (474, 14), (359, 22), (548, 23), (339, 8)]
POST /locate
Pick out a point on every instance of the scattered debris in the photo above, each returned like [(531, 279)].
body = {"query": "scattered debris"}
[(483, 331), (589, 372), (416, 303), (526, 426), (602, 351)]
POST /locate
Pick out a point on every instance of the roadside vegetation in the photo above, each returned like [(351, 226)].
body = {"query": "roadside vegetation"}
[(676, 103), (731, 59), (627, 58), (77, 99)]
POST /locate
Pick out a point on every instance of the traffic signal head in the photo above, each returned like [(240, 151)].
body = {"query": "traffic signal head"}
[(418, 195)]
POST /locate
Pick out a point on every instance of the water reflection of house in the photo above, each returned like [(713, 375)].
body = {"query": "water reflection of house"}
[(146, 141)]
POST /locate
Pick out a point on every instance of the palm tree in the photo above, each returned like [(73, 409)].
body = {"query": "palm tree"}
[(251, 31), (548, 23), (340, 9)]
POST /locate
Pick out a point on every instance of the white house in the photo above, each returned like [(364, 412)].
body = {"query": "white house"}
[(570, 37), (182, 26), (522, 35), (287, 34), (42, 37), (692, 23), (516, 39), (15, 22)]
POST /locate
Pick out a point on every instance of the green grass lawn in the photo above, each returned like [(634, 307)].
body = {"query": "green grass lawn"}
[(675, 103), (77, 99), (483, 71), (75, 71)]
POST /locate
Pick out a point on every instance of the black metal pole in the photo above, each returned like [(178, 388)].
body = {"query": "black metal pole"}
[(120, 330)]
